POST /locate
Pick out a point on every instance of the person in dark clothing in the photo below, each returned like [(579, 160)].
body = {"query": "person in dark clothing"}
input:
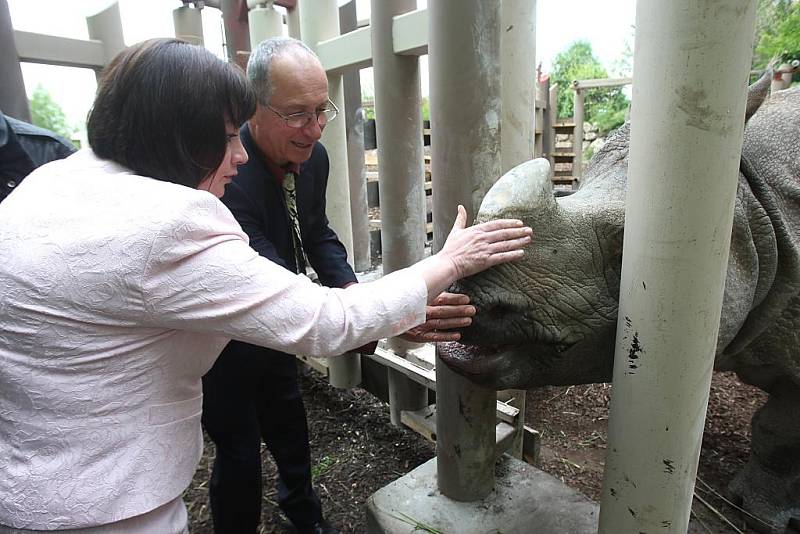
[(251, 393), (24, 147)]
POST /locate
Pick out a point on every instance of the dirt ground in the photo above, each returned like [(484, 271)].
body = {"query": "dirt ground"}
[(356, 451)]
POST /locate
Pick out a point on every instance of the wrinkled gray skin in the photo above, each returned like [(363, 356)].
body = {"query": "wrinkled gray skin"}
[(551, 318)]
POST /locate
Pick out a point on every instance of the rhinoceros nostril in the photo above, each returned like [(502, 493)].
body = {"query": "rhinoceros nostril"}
[(499, 311)]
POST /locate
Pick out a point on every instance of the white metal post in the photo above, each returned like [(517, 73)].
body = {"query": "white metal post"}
[(517, 118), (264, 22), (13, 100), (319, 21), (188, 22), (398, 122), (577, 135), (692, 62), (354, 123), (464, 58), (106, 26)]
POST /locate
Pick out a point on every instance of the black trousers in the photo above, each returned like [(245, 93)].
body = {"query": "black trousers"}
[(247, 399)]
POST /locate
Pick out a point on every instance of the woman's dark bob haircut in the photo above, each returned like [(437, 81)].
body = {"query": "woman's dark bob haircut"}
[(161, 110)]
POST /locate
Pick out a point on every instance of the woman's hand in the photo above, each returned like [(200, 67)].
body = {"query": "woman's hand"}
[(446, 313), (474, 249), (471, 250)]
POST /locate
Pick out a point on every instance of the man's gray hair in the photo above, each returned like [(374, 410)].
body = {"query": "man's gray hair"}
[(261, 59)]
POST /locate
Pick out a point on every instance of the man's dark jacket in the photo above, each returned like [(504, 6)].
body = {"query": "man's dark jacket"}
[(255, 198), (23, 147)]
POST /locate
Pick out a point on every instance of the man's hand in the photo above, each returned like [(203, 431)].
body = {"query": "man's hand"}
[(448, 310)]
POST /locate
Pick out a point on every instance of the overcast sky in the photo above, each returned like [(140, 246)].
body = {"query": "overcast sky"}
[(607, 25)]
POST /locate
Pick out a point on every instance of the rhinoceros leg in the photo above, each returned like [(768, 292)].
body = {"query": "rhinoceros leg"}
[(769, 485)]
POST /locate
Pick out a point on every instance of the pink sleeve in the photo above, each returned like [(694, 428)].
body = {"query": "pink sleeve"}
[(202, 275)]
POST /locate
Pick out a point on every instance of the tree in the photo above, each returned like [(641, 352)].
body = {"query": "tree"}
[(605, 108), (46, 113), (777, 32)]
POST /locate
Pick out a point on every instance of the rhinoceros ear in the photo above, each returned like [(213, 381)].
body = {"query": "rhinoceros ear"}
[(527, 186), (758, 91)]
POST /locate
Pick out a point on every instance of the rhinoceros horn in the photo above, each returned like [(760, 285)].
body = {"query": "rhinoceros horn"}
[(525, 187)]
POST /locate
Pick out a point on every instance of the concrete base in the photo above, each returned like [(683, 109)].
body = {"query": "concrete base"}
[(525, 500)]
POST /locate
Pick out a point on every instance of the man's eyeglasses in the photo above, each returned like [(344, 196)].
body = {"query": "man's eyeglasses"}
[(302, 119)]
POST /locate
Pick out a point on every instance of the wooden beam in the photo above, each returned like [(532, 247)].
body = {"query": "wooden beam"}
[(423, 422), (427, 377)]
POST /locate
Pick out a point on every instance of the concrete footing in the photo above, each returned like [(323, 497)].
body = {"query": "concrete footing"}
[(524, 500)]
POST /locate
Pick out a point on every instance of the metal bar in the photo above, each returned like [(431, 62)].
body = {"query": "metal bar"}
[(410, 33), (601, 82), (52, 50), (353, 50)]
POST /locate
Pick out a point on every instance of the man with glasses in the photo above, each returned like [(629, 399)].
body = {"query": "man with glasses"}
[(252, 394), (278, 197)]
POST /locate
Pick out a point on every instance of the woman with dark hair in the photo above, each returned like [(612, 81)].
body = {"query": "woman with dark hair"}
[(123, 278)]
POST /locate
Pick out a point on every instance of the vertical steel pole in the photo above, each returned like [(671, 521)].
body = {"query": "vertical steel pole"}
[(518, 91), (464, 58), (577, 136), (550, 123), (264, 22), (293, 22), (354, 123), (319, 21), (548, 136), (398, 122), (686, 136), (518, 129), (188, 22), (106, 26), (13, 99)]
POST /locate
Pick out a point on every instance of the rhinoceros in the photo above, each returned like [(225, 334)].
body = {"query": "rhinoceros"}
[(551, 318)]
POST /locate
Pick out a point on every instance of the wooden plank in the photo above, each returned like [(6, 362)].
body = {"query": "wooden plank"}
[(320, 365), (531, 445), (427, 377), (423, 422), (507, 413), (503, 438)]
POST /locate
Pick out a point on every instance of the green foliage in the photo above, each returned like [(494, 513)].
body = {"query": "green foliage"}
[(605, 107), (323, 466), (426, 110), (777, 32), (782, 40), (46, 113)]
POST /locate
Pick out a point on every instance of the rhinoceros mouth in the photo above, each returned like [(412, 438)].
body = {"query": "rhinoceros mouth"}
[(477, 360)]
